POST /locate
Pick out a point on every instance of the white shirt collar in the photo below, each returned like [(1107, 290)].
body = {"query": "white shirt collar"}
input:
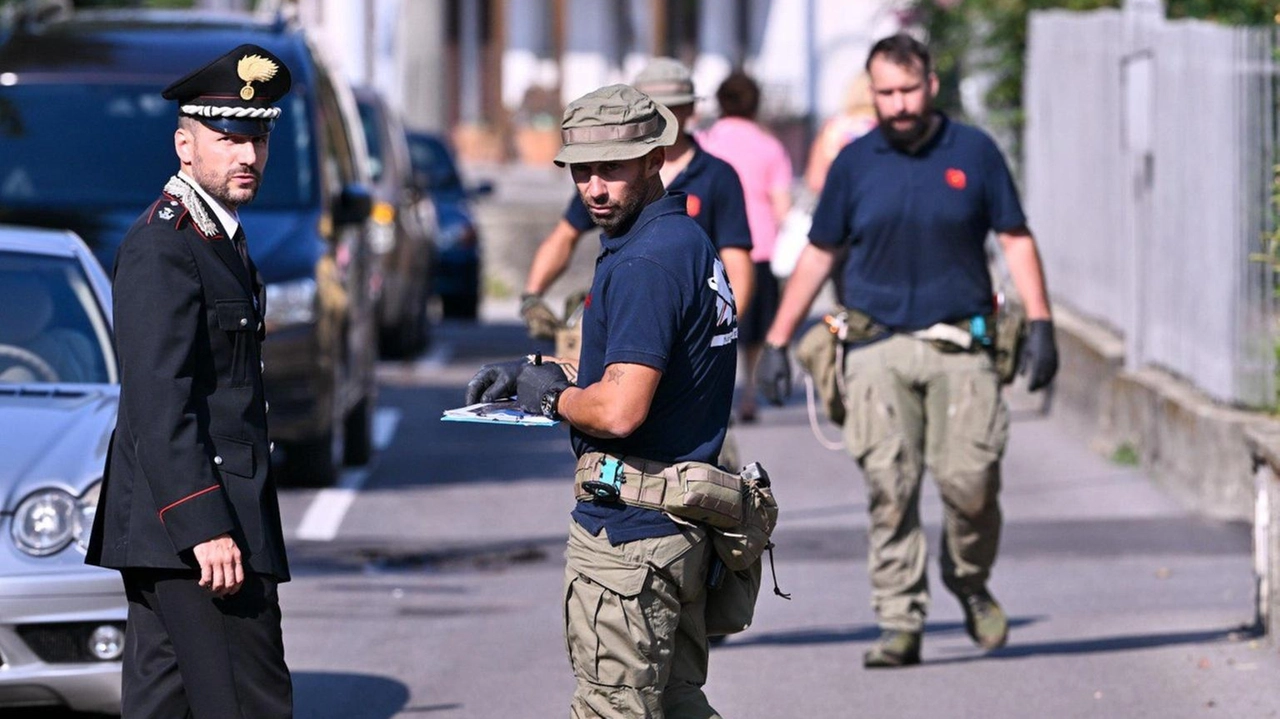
[(230, 221)]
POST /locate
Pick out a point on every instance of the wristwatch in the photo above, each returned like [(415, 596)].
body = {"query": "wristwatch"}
[(549, 402)]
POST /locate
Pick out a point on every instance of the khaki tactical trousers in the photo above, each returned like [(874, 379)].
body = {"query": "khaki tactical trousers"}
[(912, 406), (635, 626)]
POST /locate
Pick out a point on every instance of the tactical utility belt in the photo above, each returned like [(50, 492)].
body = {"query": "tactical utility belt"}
[(1001, 335), (696, 491), (856, 329)]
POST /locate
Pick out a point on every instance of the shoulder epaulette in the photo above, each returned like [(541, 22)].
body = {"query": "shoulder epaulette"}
[(186, 196)]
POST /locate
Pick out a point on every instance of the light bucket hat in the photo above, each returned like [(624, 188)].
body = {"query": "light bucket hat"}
[(617, 122), (667, 81)]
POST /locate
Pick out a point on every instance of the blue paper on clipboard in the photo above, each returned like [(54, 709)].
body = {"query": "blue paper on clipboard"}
[(505, 411)]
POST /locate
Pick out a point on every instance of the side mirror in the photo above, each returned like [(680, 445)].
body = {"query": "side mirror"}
[(354, 205)]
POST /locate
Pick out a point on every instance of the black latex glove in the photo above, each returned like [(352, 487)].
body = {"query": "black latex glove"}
[(773, 374), (495, 381), (536, 381), (1039, 355)]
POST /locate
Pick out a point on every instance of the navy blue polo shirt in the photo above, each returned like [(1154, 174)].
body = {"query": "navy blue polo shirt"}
[(660, 298), (714, 199), (916, 225)]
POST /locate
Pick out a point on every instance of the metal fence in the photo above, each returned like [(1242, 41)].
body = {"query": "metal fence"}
[(1149, 155)]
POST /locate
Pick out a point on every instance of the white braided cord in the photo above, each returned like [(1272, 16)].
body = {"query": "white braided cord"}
[(186, 194), (254, 113)]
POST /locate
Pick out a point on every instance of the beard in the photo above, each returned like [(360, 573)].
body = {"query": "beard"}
[(908, 138), (223, 188), (623, 212)]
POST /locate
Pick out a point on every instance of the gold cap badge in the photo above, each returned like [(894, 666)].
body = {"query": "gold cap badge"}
[(251, 69)]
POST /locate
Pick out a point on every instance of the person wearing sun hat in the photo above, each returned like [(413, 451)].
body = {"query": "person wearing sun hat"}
[(653, 386), (188, 511), (713, 195)]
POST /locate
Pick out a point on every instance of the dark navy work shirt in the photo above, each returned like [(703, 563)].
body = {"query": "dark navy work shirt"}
[(916, 225), (714, 198), (660, 298)]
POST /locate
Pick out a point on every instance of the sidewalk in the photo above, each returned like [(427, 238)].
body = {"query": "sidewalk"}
[(1122, 604)]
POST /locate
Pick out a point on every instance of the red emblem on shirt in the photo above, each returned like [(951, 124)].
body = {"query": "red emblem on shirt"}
[(693, 205), (586, 302), (955, 178)]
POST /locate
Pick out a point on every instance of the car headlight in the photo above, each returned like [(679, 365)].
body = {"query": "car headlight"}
[(291, 303), (46, 522)]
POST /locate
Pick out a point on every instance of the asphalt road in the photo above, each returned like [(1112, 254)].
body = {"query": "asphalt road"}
[(429, 583)]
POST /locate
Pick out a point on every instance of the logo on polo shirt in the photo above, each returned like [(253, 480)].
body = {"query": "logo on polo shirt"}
[(956, 178), (726, 309), (693, 205)]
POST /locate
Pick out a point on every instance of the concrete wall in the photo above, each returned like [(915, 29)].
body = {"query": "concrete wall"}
[(1191, 446)]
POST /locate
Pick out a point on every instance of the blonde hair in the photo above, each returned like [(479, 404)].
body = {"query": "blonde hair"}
[(857, 97)]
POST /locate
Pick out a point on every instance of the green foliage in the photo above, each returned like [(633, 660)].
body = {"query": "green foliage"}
[(1126, 455)]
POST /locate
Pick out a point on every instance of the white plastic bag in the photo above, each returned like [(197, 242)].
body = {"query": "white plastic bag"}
[(792, 238)]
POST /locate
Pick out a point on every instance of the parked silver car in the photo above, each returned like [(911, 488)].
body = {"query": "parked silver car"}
[(61, 622)]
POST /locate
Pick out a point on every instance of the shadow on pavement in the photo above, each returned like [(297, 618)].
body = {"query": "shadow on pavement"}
[(330, 695), (366, 557), (1099, 645), (834, 635)]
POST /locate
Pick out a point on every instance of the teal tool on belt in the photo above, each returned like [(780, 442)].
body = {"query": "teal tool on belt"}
[(609, 486)]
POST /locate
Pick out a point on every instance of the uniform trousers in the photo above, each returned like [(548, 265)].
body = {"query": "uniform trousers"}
[(635, 625), (189, 654), (912, 406)]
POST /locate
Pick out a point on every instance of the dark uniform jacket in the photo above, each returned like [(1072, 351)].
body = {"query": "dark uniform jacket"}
[(189, 459)]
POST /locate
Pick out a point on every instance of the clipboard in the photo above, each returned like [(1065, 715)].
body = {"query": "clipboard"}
[(506, 411)]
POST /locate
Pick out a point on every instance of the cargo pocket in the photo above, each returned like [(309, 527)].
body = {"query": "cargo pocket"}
[(233, 456), (872, 433), (236, 318), (978, 426)]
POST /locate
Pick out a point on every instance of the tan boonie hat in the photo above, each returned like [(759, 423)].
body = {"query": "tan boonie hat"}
[(667, 81), (617, 122)]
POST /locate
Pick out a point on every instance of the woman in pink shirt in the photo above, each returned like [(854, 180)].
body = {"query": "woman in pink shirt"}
[(765, 171)]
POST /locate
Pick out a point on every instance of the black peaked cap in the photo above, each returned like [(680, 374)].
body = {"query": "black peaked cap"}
[(235, 93)]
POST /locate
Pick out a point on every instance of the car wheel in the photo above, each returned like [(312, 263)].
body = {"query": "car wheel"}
[(359, 441), (410, 337), (311, 463), (460, 307)]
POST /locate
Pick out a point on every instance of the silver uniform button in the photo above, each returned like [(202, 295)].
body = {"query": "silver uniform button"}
[(217, 460), (271, 447), (259, 326), (266, 407), (244, 321), (262, 366)]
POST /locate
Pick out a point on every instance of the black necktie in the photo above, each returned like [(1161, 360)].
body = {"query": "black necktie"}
[(241, 248)]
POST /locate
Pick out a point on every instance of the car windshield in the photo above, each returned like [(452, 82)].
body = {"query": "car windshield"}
[(86, 145), (372, 138), (52, 328), (430, 157)]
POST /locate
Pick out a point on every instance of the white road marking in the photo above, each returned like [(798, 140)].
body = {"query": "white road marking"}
[(324, 516)]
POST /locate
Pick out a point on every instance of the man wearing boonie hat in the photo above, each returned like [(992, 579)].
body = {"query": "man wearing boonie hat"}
[(713, 193), (188, 510), (653, 387)]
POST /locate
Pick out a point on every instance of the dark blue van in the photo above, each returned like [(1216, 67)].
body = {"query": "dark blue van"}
[(88, 143)]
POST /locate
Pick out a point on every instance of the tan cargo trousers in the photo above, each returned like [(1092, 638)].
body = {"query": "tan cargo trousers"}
[(912, 406), (635, 627)]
